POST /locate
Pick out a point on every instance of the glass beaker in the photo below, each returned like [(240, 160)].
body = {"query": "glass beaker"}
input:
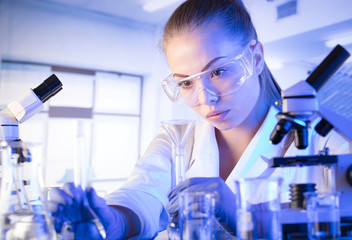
[(23, 211), (196, 215), (323, 214), (258, 208)]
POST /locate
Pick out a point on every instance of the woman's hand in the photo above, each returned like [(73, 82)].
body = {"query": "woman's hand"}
[(225, 204), (68, 207)]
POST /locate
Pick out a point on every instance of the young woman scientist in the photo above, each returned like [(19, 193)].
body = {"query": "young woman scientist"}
[(218, 67)]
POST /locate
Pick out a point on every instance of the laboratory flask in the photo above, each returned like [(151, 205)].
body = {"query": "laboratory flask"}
[(23, 211)]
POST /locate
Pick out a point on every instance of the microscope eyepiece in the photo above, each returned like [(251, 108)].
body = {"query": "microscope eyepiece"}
[(328, 67), (48, 88)]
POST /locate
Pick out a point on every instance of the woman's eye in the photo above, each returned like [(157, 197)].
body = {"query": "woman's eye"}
[(184, 84), (217, 72)]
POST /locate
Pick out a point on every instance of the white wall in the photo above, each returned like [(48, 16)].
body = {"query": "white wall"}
[(297, 41), (311, 15), (46, 33)]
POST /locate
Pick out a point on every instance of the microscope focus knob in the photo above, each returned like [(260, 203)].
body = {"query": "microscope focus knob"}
[(349, 175)]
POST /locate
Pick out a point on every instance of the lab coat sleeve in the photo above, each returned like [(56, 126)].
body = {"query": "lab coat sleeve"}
[(145, 191)]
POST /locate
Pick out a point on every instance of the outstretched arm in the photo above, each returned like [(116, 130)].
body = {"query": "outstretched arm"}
[(118, 222)]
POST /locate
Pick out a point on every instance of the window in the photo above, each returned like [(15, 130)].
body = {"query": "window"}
[(107, 103)]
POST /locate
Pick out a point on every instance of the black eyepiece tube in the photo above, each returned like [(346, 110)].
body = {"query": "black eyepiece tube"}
[(281, 128), (301, 138), (48, 88), (328, 67)]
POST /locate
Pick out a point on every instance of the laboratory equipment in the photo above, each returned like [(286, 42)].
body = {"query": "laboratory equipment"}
[(297, 194), (299, 104), (25, 106), (323, 212), (82, 173), (23, 212), (197, 216), (178, 131), (299, 107), (258, 208)]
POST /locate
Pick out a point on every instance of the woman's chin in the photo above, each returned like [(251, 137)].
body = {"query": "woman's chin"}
[(226, 125)]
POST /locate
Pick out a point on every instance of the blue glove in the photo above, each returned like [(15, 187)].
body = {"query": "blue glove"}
[(71, 209), (225, 199)]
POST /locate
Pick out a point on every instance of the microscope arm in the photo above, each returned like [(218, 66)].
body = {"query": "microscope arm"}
[(341, 124)]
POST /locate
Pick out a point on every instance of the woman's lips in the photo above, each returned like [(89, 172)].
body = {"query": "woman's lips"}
[(216, 117)]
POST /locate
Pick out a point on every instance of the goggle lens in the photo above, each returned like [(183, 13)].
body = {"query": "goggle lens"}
[(221, 79)]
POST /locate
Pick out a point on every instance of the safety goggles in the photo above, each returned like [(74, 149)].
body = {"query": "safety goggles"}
[(221, 79)]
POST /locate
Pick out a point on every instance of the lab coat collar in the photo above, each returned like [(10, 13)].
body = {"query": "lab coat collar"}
[(204, 161), (254, 160)]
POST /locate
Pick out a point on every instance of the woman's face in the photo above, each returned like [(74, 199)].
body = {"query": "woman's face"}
[(191, 52)]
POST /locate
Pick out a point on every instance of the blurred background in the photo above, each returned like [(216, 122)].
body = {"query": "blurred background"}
[(107, 55)]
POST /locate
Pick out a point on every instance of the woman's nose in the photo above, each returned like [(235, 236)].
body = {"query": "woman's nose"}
[(206, 96)]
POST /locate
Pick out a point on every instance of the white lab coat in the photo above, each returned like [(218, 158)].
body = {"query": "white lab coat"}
[(145, 191)]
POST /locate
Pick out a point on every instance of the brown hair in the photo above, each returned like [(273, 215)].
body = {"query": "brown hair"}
[(233, 16)]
